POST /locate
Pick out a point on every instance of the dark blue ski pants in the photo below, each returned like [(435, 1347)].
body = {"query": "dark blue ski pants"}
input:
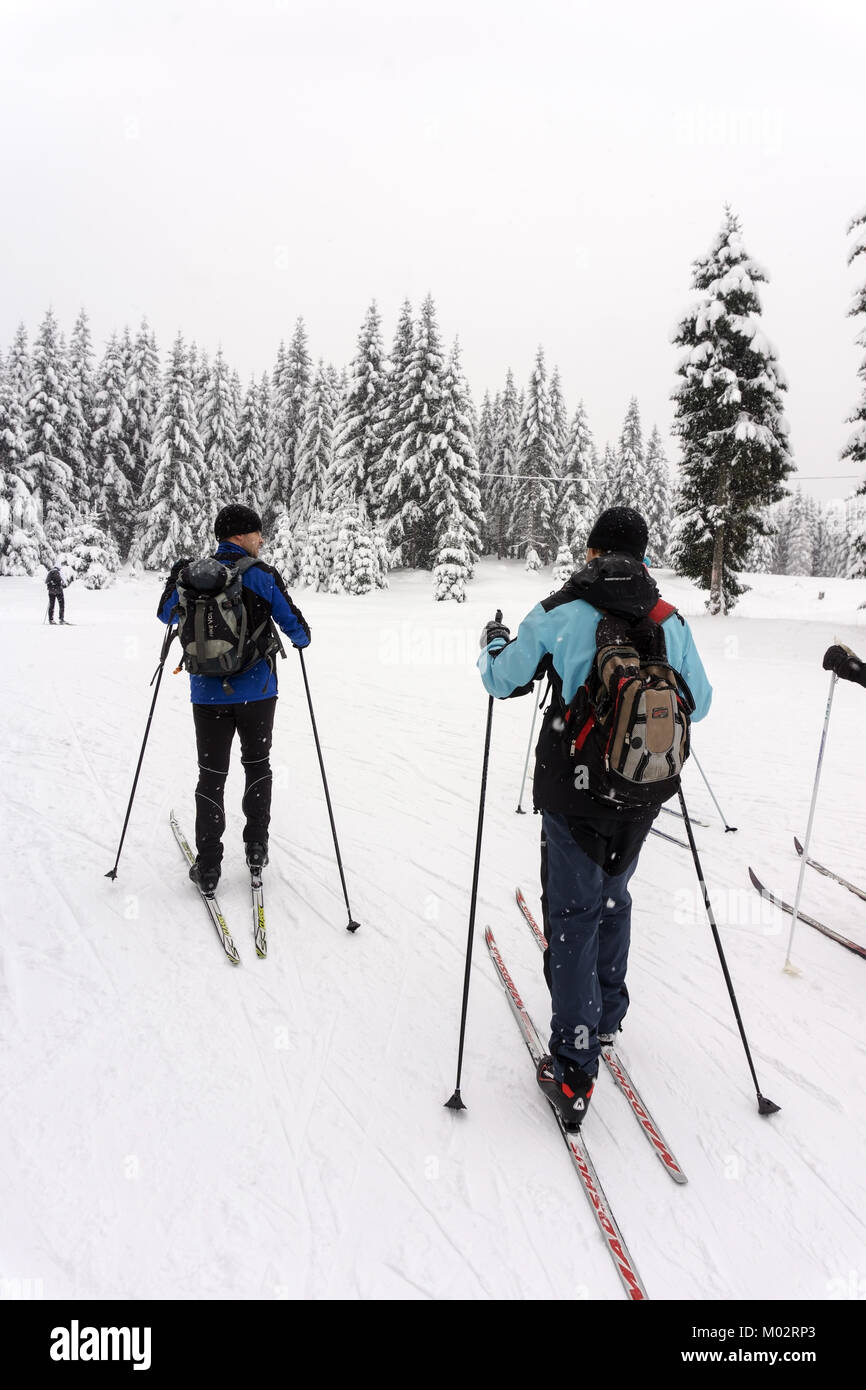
[(587, 922)]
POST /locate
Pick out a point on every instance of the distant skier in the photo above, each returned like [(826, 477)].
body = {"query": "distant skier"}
[(847, 666), (201, 595), (591, 837), (56, 584)]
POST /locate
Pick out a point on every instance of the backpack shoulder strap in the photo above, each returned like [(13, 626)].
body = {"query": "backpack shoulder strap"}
[(663, 610), (241, 566)]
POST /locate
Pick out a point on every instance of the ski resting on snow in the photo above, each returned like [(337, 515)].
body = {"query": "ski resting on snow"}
[(574, 1141), (829, 873), (615, 1065), (804, 917), (210, 901)]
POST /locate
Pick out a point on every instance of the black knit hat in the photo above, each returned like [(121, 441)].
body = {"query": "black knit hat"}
[(620, 528), (236, 520)]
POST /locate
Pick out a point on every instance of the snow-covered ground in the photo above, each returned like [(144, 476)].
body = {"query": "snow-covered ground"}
[(177, 1128)]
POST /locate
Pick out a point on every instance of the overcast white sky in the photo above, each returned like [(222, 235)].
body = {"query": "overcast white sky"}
[(548, 171)]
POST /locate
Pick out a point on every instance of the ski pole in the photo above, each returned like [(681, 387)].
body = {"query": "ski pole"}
[(710, 790), (791, 970), (456, 1103), (171, 633), (765, 1106), (352, 925), (535, 708)]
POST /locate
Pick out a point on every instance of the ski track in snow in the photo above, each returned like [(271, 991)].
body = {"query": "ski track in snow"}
[(181, 1128)]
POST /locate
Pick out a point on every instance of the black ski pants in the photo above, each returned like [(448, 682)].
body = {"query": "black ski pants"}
[(215, 727), (58, 597)]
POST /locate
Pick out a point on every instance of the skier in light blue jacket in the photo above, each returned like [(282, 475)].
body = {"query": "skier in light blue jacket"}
[(590, 842)]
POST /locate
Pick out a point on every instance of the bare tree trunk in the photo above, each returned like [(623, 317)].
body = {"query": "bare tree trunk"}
[(717, 598)]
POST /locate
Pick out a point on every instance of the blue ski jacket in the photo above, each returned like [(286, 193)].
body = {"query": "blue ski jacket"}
[(265, 588)]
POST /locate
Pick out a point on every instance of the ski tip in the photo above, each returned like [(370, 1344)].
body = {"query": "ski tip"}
[(797, 846), (755, 880)]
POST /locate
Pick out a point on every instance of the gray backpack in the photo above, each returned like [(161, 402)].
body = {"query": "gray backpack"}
[(214, 625)]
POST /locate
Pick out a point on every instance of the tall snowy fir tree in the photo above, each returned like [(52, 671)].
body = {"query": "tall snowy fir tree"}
[(20, 533), (53, 477), (411, 526), (506, 442), (629, 487), (279, 453), (82, 384), (142, 395), (657, 499), (484, 449), (535, 487), (358, 436), (576, 494), (315, 451), (218, 427), (729, 419), (855, 448), (173, 522), (89, 551), (455, 499), (114, 501), (359, 561), (559, 418), (392, 422), (252, 427)]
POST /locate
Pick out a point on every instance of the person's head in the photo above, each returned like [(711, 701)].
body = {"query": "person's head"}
[(240, 525), (620, 529)]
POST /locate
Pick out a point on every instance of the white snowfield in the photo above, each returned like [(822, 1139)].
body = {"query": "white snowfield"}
[(179, 1128)]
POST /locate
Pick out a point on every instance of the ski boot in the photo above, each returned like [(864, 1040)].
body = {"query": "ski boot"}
[(257, 855), (569, 1097), (205, 879)]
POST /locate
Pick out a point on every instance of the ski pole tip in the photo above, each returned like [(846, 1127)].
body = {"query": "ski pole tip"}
[(767, 1107), (112, 873), (729, 829), (455, 1103), (352, 925)]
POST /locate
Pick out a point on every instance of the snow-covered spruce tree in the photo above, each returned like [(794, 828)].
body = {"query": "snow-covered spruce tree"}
[(315, 559), (251, 448), (563, 565), (21, 539), (315, 452), (834, 540), (608, 470), (537, 468), (358, 430), (559, 418), (729, 419), (53, 478), (113, 497), (453, 567), (289, 389), (629, 484), (578, 487), (284, 547), (484, 449), (799, 535), (411, 524), (500, 495), (82, 383), (218, 427), (390, 420), (359, 561), (173, 519), (142, 395), (761, 556), (658, 499), (455, 484), (90, 552), (855, 526)]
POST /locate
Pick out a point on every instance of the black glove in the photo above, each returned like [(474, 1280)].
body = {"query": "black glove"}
[(845, 663), (495, 628)]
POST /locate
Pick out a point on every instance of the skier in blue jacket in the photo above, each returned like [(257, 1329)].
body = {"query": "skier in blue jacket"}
[(589, 843), (250, 706)]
